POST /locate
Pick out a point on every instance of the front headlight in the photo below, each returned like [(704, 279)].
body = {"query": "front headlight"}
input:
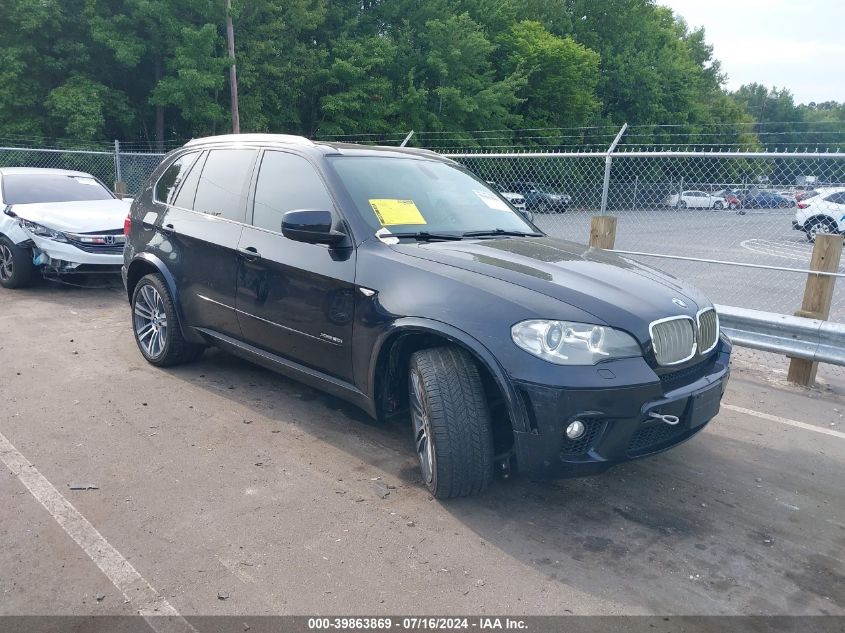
[(42, 231), (567, 343)]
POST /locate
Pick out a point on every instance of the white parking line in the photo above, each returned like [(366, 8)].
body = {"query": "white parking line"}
[(787, 421), (116, 568)]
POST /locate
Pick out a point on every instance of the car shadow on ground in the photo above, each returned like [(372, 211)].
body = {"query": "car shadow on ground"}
[(703, 519)]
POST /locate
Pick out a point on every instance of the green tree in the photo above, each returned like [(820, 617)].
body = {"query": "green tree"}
[(561, 76)]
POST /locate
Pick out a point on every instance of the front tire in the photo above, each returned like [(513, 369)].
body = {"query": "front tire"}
[(16, 267), (682, 204), (451, 422), (155, 323), (718, 206)]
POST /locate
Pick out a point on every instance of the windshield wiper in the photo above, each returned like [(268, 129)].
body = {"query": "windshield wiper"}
[(425, 236), (498, 232)]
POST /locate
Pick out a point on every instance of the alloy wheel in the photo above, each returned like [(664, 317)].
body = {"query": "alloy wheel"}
[(150, 320), (818, 228), (422, 428), (7, 263)]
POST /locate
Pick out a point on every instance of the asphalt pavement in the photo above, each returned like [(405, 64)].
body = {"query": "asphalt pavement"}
[(223, 488)]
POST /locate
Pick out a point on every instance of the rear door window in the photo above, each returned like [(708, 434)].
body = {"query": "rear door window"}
[(286, 182), (224, 183)]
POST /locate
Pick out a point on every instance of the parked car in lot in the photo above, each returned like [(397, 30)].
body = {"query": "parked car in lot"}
[(516, 199), (766, 200), (732, 197), (395, 279), (823, 213), (694, 199), (806, 195), (57, 222), (541, 198)]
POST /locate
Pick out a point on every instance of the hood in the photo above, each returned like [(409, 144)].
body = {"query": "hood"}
[(84, 216), (618, 291)]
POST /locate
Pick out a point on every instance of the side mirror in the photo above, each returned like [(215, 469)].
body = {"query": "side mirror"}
[(313, 227)]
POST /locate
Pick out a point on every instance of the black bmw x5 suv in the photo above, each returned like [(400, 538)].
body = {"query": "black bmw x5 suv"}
[(399, 281)]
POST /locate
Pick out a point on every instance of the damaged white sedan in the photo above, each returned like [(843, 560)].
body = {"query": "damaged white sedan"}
[(57, 222)]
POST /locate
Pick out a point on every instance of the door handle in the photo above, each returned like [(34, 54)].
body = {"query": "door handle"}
[(250, 253)]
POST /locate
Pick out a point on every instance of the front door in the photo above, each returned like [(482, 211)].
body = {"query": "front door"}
[(294, 299)]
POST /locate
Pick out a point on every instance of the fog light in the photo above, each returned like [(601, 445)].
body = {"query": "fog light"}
[(575, 430)]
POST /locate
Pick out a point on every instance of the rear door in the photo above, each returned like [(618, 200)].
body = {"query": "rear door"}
[(295, 299), (202, 227)]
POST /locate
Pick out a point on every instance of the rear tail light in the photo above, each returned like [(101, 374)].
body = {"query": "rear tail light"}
[(127, 225), (803, 205)]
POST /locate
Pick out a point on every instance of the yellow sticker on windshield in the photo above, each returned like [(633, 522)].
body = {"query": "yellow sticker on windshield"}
[(391, 211)]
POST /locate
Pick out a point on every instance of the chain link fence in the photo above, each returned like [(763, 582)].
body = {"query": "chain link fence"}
[(723, 221), (109, 166)]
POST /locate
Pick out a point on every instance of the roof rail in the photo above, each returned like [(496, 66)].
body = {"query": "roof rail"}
[(250, 138)]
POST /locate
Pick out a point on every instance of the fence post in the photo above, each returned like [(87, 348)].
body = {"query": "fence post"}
[(119, 185), (608, 159), (603, 231), (818, 295), (636, 184)]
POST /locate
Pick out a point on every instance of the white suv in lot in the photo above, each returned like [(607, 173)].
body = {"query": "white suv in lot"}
[(693, 199), (823, 213), (57, 222)]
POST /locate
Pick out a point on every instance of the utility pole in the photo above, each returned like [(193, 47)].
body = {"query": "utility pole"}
[(233, 72)]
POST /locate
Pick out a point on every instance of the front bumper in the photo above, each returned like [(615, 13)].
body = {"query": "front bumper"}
[(65, 257), (619, 427)]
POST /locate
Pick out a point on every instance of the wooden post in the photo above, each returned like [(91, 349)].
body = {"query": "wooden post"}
[(233, 71), (120, 189), (603, 231), (818, 294)]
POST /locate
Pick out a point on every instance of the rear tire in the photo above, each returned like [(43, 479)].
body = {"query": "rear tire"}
[(819, 226), (682, 205), (16, 267), (451, 422), (718, 205), (155, 323)]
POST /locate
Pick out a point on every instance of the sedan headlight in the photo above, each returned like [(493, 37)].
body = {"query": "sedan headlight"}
[(567, 343), (43, 231)]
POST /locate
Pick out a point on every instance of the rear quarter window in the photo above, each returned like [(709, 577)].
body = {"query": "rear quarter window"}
[(170, 181)]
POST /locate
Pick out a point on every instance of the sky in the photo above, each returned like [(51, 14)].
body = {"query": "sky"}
[(794, 44)]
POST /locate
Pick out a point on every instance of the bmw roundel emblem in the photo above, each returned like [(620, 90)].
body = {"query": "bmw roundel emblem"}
[(678, 302)]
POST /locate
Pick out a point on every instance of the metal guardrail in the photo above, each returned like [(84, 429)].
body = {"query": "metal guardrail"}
[(798, 337)]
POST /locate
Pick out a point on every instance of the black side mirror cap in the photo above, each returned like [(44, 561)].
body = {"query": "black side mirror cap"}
[(311, 226)]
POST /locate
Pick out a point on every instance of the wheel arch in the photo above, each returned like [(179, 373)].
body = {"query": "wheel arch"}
[(821, 217), (147, 263), (14, 234), (392, 352)]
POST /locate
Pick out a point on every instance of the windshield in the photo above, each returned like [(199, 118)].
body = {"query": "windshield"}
[(406, 195), (34, 188)]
